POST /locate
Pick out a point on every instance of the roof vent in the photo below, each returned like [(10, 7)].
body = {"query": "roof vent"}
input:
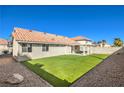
[(30, 30)]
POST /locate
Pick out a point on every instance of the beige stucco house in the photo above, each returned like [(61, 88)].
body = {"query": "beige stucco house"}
[(85, 46), (34, 44), (3, 45)]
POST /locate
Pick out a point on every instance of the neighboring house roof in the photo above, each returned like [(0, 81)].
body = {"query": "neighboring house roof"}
[(78, 38), (3, 42), (25, 35)]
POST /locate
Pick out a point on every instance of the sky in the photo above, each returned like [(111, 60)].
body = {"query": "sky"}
[(95, 22)]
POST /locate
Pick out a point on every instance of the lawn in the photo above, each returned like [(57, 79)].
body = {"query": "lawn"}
[(64, 70)]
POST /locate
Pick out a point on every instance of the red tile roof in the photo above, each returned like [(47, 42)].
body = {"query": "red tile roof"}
[(24, 35), (80, 38), (3, 42)]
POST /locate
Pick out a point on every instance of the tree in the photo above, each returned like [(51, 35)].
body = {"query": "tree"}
[(99, 42), (118, 42), (103, 42)]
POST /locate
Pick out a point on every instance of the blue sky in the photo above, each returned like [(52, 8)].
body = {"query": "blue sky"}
[(95, 22)]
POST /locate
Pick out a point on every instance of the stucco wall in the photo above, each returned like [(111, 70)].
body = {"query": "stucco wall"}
[(15, 48), (38, 53), (104, 50), (58, 50), (86, 48), (3, 47)]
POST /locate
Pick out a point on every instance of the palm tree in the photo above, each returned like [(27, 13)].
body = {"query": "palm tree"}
[(118, 42)]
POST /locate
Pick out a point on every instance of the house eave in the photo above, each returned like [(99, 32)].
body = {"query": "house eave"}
[(36, 42)]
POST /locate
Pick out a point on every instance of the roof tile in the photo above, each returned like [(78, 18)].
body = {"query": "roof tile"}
[(40, 37), (3, 42), (81, 38)]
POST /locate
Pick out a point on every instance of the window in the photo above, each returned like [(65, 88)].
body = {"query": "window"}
[(26, 47), (45, 47), (86, 52), (29, 47)]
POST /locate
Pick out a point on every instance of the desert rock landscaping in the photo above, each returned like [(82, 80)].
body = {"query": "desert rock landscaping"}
[(8, 67)]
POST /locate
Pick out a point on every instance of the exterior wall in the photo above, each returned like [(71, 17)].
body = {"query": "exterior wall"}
[(107, 45), (85, 47), (88, 50), (55, 50), (15, 47), (38, 53), (3, 47), (98, 50), (104, 50)]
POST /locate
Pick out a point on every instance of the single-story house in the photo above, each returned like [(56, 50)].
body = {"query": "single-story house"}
[(34, 44), (85, 45), (3, 44)]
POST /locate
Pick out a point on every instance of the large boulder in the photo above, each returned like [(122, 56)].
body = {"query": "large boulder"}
[(15, 79)]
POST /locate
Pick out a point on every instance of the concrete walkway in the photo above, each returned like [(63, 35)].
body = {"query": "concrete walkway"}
[(109, 73), (8, 66)]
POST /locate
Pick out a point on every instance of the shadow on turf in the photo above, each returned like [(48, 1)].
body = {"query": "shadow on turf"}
[(53, 80), (97, 57)]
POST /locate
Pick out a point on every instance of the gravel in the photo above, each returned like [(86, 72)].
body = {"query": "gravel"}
[(8, 67)]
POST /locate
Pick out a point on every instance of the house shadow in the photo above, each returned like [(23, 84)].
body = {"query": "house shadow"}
[(50, 78), (97, 57)]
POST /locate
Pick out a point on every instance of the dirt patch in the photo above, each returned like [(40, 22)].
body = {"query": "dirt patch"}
[(6, 60)]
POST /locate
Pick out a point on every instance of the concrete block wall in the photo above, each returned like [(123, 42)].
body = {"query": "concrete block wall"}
[(104, 50)]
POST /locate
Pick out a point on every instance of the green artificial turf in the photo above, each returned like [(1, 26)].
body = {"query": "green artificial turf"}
[(64, 70)]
